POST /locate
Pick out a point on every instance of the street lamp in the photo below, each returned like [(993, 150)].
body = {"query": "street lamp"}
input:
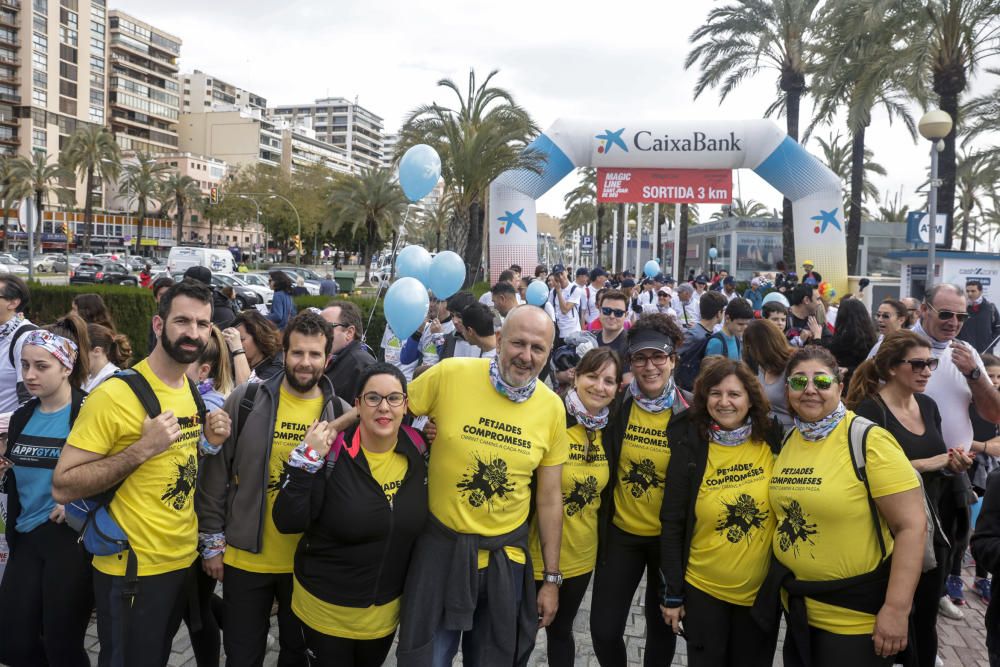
[(256, 254), (298, 254), (934, 126)]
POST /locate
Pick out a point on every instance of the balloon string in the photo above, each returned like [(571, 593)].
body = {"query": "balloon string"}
[(384, 283)]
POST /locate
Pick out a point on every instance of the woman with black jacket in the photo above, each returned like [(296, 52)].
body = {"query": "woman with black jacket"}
[(361, 502), (46, 595), (717, 522)]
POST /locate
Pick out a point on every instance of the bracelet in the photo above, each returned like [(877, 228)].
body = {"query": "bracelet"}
[(673, 601), (236, 353)]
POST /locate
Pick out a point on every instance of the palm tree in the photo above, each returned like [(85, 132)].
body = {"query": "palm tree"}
[(981, 115), (427, 227), (839, 157), (93, 154), (484, 136), (976, 177), (179, 192), (370, 202), (739, 40), (141, 178), (892, 211), (41, 178), (583, 200), (10, 193), (740, 209)]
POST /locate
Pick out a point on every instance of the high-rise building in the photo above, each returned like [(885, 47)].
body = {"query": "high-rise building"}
[(143, 87), (204, 92), (239, 137), (342, 123), (389, 142)]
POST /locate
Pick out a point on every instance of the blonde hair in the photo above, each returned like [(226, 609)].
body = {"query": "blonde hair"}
[(216, 355)]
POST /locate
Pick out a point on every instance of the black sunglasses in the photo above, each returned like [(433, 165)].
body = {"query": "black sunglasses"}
[(920, 364), (613, 311), (945, 315)]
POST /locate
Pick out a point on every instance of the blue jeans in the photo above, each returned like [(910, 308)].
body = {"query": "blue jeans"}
[(446, 641)]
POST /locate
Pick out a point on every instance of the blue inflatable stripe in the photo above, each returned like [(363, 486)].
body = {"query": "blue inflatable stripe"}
[(556, 166), (793, 171)]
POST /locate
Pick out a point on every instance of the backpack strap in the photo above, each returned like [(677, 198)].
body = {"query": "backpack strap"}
[(417, 439), (23, 329), (246, 406), (857, 440), (142, 390), (199, 403)]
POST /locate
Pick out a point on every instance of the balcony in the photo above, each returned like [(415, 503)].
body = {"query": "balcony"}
[(13, 4), (8, 20), (13, 99), (10, 140), (9, 121), (10, 62), (9, 40)]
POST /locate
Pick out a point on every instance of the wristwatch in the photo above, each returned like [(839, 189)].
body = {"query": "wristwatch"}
[(552, 578), (974, 375)]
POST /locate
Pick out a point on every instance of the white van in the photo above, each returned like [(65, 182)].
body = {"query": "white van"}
[(183, 257)]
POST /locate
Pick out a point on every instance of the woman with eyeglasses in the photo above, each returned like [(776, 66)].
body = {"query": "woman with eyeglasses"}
[(360, 498), (888, 390), (584, 477), (638, 451), (849, 540), (717, 521), (890, 316)]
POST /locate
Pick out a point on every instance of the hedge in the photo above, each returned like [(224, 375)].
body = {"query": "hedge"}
[(132, 308), (373, 332)]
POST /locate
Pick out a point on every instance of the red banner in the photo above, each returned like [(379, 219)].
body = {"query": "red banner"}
[(682, 186)]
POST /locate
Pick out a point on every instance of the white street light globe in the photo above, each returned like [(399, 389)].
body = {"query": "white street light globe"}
[(935, 125)]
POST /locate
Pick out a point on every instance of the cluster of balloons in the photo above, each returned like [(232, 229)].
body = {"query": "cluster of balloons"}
[(407, 300)]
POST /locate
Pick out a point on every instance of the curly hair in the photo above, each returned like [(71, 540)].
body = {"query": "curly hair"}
[(713, 371), (660, 323), (265, 334)]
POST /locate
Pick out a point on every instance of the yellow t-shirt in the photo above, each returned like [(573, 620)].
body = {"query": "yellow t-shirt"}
[(277, 550), (584, 476), (824, 525), (388, 469), (155, 504), (642, 471), (734, 524), (487, 447)]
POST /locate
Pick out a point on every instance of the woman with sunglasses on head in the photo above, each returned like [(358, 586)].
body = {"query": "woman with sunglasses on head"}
[(888, 390), (360, 498), (766, 350), (637, 448), (848, 553), (46, 594), (717, 521), (584, 477)]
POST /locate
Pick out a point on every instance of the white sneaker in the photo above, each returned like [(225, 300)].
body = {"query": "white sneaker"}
[(938, 662), (948, 609)]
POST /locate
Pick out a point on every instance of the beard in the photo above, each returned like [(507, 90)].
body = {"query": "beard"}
[(178, 354), (302, 387)]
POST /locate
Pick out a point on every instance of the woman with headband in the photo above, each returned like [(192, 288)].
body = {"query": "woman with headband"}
[(46, 594)]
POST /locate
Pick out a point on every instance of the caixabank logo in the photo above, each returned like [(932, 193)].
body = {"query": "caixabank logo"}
[(646, 141), (511, 219), (826, 219), (609, 140)]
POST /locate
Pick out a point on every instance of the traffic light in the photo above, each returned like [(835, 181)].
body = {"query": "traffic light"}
[(298, 243), (215, 195)]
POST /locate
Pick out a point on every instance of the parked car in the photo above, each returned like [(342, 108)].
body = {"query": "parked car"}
[(236, 281), (60, 265), (7, 258), (96, 271), (246, 297), (311, 286), (13, 268)]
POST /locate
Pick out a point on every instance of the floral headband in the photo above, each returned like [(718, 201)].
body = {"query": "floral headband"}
[(61, 348)]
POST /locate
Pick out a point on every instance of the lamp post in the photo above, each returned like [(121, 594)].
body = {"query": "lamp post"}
[(934, 126), (298, 254)]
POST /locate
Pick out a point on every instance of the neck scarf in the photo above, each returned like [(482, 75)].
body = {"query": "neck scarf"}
[(732, 438), (814, 431), (576, 408), (935, 344), (978, 302), (11, 325), (516, 394), (63, 349), (656, 405)]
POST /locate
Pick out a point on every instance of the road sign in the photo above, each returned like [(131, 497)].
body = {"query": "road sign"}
[(586, 243), (27, 214)]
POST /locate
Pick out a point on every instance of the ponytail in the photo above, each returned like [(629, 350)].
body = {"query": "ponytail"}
[(869, 376), (117, 347), (73, 327), (865, 384)]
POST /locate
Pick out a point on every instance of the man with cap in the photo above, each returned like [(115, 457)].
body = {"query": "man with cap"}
[(222, 308), (565, 299), (589, 308), (729, 288), (648, 297), (700, 285), (808, 273), (663, 298)]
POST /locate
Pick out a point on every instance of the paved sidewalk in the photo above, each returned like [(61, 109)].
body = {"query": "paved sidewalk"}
[(961, 643)]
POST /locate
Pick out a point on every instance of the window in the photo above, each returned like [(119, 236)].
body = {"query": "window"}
[(39, 78), (39, 97), (97, 27), (68, 36), (40, 60), (67, 71), (69, 18), (39, 42), (96, 115), (96, 81), (39, 23), (69, 4), (97, 97), (39, 138), (96, 44), (40, 6), (67, 106), (67, 53), (67, 88)]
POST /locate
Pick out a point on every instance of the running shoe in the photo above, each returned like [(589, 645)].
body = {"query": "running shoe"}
[(982, 586), (954, 587), (948, 609), (938, 661)]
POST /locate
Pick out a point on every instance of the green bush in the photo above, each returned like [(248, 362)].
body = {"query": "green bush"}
[(373, 332), (131, 308), (480, 288)]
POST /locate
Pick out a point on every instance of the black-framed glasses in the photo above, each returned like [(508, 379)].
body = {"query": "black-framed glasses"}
[(373, 399), (884, 316), (657, 359), (822, 381), (945, 315), (617, 312), (341, 324), (920, 364)]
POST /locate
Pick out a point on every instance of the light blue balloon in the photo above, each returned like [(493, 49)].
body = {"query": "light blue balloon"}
[(406, 305), (446, 275), (713, 252), (537, 293), (776, 296), (413, 261), (419, 171), (651, 268)]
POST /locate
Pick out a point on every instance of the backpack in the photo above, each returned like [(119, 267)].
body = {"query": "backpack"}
[(689, 364), (340, 444), (23, 329)]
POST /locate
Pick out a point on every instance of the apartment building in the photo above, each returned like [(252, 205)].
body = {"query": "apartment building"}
[(340, 122), (204, 92), (237, 136), (143, 86)]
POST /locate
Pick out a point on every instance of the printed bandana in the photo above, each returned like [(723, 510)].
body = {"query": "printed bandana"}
[(11, 325), (63, 349), (737, 436), (576, 408), (936, 344), (655, 406), (516, 394), (815, 431)]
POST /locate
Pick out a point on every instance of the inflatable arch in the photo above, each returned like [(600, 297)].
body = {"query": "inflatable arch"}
[(760, 145)]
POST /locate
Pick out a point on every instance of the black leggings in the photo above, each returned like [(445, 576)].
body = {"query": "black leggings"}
[(720, 634), (830, 650), (45, 599), (923, 615), (626, 557), (206, 641), (559, 633), (328, 651)]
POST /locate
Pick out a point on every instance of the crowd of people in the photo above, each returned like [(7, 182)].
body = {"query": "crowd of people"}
[(750, 457)]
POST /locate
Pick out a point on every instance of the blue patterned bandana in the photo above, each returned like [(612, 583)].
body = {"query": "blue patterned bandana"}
[(655, 406), (516, 394), (737, 436), (815, 431), (575, 407)]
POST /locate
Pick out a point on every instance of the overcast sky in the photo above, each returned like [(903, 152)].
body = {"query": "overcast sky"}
[(621, 59)]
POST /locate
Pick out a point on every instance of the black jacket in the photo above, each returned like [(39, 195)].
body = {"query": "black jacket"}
[(356, 548), (982, 327), (222, 310), (986, 551), (346, 367), (8, 483), (685, 473)]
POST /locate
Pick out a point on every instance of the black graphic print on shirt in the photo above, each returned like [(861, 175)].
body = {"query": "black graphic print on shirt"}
[(485, 481), (640, 477), (179, 490), (36, 451), (584, 493), (795, 528), (739, 517)]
